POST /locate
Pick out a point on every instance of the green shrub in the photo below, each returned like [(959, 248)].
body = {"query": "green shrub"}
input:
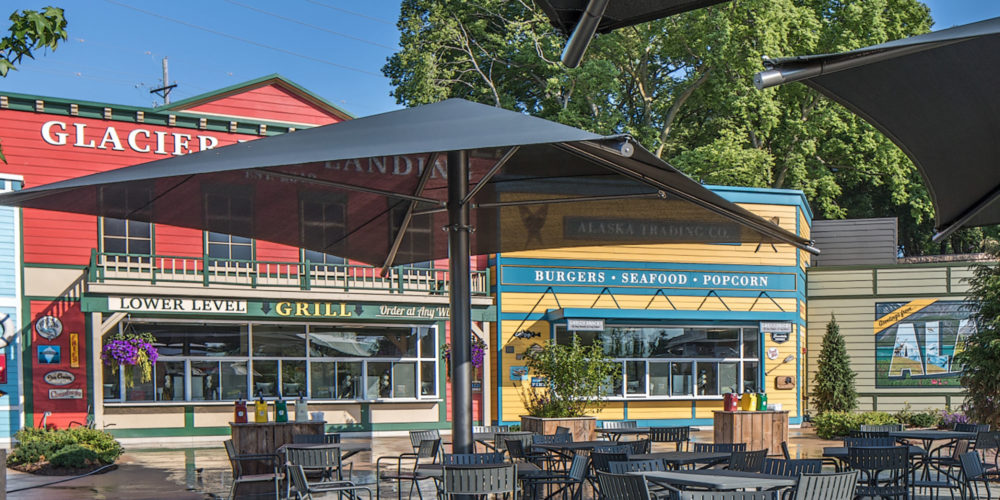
[(74, 455), (35, 444), (834, 384), (925, 419), (833, 424)]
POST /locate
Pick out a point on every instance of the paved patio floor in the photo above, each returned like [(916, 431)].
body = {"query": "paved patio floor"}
[(202, 473)]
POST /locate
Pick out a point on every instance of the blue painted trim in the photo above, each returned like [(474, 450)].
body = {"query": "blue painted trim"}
[(498, 385), (640, 266), (642, 314)]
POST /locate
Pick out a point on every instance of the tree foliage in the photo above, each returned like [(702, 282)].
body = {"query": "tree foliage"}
[(980, 354), (29, 31), (682, 86), (834, 388), (575, 376)]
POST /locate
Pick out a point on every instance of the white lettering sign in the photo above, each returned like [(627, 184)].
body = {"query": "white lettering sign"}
[(585, 325), (171, 304), (65, 393), (140, 140)]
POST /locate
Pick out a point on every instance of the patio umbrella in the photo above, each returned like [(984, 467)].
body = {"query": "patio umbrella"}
[(935, 96), (378, 190), (580, 19)]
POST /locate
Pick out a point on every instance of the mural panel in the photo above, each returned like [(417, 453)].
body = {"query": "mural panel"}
[(916, 342)]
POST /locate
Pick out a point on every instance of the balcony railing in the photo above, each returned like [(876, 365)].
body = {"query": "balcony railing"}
[(116, 268)]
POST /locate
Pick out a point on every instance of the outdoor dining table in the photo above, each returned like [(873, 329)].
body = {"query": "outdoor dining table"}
[(719, 479), (487, 438), (927, 438), (616, 434), (677, 459)]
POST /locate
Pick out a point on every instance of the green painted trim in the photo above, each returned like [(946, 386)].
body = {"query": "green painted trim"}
[(189, 417), (88, 353), (874, 281), (208, 96), (889, 296), (442, 374), (965, 264), (53, 299), (25, 319), (169, 432), (947, 282), (55, 266)]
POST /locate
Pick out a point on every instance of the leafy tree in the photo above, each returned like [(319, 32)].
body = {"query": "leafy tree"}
[(834, 389), (980, 354), (575, 379), (682, 86), (29, 31)]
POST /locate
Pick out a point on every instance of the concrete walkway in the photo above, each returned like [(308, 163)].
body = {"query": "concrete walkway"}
[(200, 473)]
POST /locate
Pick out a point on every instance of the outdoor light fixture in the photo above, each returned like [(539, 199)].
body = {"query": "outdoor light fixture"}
[(584, 31)]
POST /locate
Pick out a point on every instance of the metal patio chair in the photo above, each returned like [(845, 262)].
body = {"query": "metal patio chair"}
[(619, 424), (563, 430), (479, 480), (240, 478), (719, 447), (331, 438), (416, 437), (870, 442), (629, 487), (836, 486), (884, 471), (869, 434), (517, 453), (881, 428), (636, 466), (639, 446), (427, 452), (302, 489), (961, 427), (321, 462), (727, 495), (553, 457), (602, 461), (614, 448), (790, 468), (680, 436), (747, 461), (568, 483), (472, 458), (973, 473)]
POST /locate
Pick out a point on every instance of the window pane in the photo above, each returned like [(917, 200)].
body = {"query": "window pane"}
[(750, 377), (114, 227), (218, 238), (140, 247), (241, 252), (112, 387), (293, 378), (428, 345), (428, 379), (332, 342), (614, 388), (635, 373), (170, 381), (279, 340), (379, 380), (659, 379), (265, 377), (708, 379), (197, 340), (348, 381), (114, 245), (680, 379), (751, 341), (234, 380), (729, 377), (396, 343), (139, 391), (139, 229), (323, 377), (404, 380), (205, 381)]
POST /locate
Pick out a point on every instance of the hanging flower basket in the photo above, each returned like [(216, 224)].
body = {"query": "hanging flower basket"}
[(478, 352), (130, 351)]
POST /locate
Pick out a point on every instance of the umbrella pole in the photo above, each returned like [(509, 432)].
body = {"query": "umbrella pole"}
[(461, 304)]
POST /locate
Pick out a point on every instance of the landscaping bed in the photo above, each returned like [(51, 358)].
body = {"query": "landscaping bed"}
[(63, 452)]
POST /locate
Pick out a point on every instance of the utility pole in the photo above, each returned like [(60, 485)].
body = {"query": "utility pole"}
[(164, 91)]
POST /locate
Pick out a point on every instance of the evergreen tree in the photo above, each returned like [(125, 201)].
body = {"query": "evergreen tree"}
[(980, 354), (834, 389)]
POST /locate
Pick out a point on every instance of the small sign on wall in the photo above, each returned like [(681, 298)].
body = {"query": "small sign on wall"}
[(537, 381), (49, 354), (585, 325), (74, 350), (65, 393), (518, 372), (776, 326)]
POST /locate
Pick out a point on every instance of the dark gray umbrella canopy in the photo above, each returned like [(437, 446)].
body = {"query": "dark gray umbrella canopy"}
[(345, 189), (565, 14), (937, 96)]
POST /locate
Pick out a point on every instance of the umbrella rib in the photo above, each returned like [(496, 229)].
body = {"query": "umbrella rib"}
[(489, 175), (971, 212), (398, 238), (352, 187), (761, 226)]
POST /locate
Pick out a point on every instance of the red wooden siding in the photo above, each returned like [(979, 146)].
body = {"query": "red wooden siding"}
[(270, 102), (63, 411)]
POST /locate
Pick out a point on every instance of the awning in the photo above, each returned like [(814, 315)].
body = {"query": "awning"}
[(935, 96)]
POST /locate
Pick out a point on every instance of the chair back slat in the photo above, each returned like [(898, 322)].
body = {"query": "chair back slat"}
[(886, 428), (677, 435), (639, 446), (578, 468), (500, 439), (429, 448), (331, 438), (490, 428), (747, 461), (602, 461), (563, 430), (839, 486), (791, 468), (233, 463), (636, 466), (472, 458), (869, 442), (727, 495), (962, 427), (869, 434), (971, 466), (298, 478), (623, 486), (884, 471), (614, 448), (551, 438), (417, 436), (619, 424), (719, 447), (478, 480), (308, 439)]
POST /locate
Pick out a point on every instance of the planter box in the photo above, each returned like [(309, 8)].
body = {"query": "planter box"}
[(758, 429), (582, 428)]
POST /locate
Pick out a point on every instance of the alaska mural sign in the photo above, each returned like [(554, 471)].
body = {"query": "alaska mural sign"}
[(916, 342)]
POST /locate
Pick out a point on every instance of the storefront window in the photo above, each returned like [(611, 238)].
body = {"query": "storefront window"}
[(677, 361), (209, 362)]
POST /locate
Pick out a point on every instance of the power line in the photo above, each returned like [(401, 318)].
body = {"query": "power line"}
[(244, 40), (345, 11), (313, 26)]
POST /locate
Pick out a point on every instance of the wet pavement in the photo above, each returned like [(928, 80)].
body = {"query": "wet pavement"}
[(202, 473)]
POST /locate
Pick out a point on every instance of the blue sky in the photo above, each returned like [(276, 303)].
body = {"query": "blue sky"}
[(331, 47)]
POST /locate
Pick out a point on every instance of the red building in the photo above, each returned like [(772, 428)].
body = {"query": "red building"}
[(232, 315)]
